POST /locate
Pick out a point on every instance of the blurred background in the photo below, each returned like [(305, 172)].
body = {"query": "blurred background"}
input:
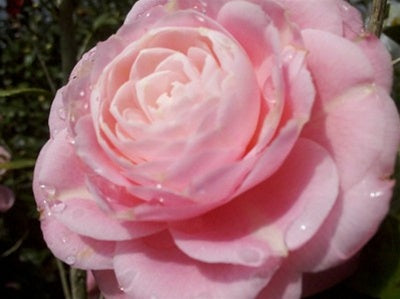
[(40, 41)]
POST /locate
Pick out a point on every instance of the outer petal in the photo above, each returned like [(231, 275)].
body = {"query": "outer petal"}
[(352, 129), (379, 58), (76, 250), (262, 224), (60, 190), (329, 59), (154, 268), (286, 284), (315, 14), (140, 8), (108, 285), (58, 114), (352, 222)]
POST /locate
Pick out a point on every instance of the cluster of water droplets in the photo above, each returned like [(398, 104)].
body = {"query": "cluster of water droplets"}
[(51, 203), (51, 206), (158, 200), (201, 6)]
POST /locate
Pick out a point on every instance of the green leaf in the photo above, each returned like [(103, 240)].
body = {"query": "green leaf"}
[(23, 90)]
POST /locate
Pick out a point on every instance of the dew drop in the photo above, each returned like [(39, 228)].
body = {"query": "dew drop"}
[(345, 7), (159, 186), (121, 289), (250, 256), (48, 191), (376, 194), (303, 227), (57, 206), (70, 260), (70, 139), (85, 106), (64, 240), (54, 132), (147, 15), (82, 93), (201, 19), (61, 113), (157, 201)]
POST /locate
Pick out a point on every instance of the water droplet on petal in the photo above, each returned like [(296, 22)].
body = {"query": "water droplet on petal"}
[(70, 139), (85, 106), (61, 113), (47, 190), (250, 256), (345, 7), (159, 186), (376, 194), (82, 93), (303, 227), (157, 201), (70, 260), (126, 279), (201, 19), (64, 240), (121, 289), (57, 206)]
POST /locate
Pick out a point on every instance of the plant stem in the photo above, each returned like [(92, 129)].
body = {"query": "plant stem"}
[(63, 278), (17, 164), (378, 15), (78, 283)]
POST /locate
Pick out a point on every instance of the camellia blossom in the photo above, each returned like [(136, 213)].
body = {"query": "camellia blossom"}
[(221, 149)]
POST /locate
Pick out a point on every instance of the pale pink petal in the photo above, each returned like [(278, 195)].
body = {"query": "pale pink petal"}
[(352, 129), (7, 199), (90, 152), (60, 190), (353, 221), (140, 9), (79, 212), (272, 157), (57, 169), (353, 25), (58, 114), (145, 267), (379, 58), (262, 224), (329, 58), (247, 22), (286, 284), (75, 250), (108, 285), (315, 14)]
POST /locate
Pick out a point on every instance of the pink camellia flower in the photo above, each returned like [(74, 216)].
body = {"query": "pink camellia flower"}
[(221, 149)]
